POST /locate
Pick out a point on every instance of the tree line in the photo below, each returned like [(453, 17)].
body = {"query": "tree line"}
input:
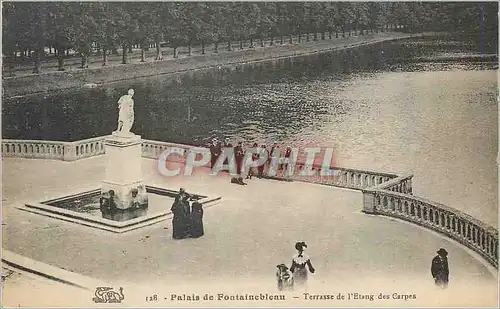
[(104, 27)]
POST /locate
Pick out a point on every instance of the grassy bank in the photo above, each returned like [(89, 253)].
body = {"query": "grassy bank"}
[(49, 81)]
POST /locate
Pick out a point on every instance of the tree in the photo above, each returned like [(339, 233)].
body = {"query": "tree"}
[(146, 25), (126, 25), (85, 31), (9, 40), (172, 26), (61, 28)]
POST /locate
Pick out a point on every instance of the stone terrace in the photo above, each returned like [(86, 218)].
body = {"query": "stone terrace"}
[(252, 230)]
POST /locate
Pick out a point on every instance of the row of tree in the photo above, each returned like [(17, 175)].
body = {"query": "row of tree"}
[(30, 27)]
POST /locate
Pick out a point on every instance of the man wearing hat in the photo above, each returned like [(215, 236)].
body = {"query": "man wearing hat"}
[(215, 151), (439, 268), (239, 154), (227, 145)]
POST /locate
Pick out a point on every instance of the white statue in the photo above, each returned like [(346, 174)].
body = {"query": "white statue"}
[(126, 113)]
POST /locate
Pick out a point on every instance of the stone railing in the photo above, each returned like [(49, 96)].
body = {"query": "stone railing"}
[(457, 225), (54, 150), (85, 148), (153, 150), (338, 177), (33, 149), (400, 184)]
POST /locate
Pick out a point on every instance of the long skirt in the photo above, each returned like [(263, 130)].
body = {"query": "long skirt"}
[(197, 225), (180, 228), (300, 276)]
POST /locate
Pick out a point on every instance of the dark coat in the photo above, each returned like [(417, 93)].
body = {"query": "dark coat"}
[(197, 220), (439, 269), (215, 150), (238, 153), (181, 220)]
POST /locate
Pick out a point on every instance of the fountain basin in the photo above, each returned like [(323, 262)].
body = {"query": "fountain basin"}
[(84, 208)]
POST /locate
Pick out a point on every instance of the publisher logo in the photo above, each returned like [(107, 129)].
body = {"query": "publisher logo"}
[(107, 295)]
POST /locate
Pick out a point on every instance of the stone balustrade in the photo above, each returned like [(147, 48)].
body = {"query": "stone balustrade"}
[(154, 149), (85, 148), (89, 147), (33, 149), (55, 150), (465, 229), (339, 177), (401, 184)]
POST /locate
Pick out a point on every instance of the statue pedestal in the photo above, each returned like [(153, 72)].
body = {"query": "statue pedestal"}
[(124, 171)]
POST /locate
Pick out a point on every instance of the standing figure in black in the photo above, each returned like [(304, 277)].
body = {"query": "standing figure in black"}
[(439, 268), (227, 145), (239, 155), (288, 153), (215, 151), (300, 263), (196, 219), (182, 218)]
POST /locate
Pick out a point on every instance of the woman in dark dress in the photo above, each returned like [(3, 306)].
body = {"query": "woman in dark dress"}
[(300, 263), (180, 221), (197, 220)]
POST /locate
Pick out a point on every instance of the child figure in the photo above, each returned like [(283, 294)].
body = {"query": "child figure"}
[(284, 277)]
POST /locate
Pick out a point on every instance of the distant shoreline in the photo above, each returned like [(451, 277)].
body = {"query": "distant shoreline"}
[(32, 84)]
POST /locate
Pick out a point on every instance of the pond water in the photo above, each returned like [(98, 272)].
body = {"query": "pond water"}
[(385, 107)]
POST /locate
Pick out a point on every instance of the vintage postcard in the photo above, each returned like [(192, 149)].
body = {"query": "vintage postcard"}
[(249, 154)]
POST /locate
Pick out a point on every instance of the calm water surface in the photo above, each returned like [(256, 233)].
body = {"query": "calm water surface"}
[(379, 107)]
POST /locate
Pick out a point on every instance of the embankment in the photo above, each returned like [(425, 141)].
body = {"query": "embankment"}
[(50, 81)]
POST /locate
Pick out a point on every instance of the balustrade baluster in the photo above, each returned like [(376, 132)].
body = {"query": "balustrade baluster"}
[(488, 243)]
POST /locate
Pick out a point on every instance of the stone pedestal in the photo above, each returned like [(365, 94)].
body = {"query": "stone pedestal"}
[(124, 171)]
